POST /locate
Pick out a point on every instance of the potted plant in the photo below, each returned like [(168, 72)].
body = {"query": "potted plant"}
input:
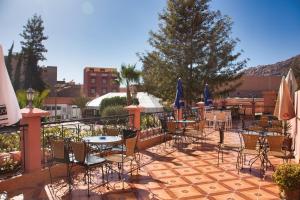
[(287, 177)]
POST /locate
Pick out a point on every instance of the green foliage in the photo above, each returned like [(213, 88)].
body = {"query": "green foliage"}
[(135, 101), (33, 51), (17, 75), (287, 176), (9, 165), (114, 111), (128, 75), (9, 142), (113, 101), (38, 99), (8, 60), (149, 121), (194, 43)]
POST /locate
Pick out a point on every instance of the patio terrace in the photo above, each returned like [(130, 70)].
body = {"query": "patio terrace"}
[(167, 172)]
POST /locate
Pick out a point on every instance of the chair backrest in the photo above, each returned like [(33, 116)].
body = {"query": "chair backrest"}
[(209, 116), (221, 116), (171, 126), (255, 128), (58, 150), (275, 130), (250, 140), (275, 142), (163, 123), (112, 131), (79, 151), (130, 146), (263, 123), (276, 123)]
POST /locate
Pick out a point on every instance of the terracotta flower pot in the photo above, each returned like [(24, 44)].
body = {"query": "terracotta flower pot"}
[(291, 194)]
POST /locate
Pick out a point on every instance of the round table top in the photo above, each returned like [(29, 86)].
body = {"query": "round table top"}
[(103, 139)]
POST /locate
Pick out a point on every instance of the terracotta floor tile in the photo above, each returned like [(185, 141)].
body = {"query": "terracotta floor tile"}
[(222, 176), (211, 188), (230, 196), (156, 166), (186, 191), (208, 169), (174, 181), (163, 173), (186, 171), (259, 194), (160, 194), (239, 184), (197, 163), (199, 179)]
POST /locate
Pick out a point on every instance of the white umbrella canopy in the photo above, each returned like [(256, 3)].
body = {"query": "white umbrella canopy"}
[(292, 83), (9, 107), (284, 109)]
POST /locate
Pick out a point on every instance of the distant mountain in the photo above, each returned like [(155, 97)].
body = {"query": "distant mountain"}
[(277, 69)]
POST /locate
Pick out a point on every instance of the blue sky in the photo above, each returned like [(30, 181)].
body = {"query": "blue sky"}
[(111, 32)]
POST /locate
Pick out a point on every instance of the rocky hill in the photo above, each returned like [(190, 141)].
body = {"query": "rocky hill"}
[(280, 68)]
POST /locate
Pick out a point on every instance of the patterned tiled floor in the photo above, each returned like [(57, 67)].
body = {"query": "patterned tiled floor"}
[(187, 173)]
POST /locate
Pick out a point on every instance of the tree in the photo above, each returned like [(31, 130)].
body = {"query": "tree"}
[(194, 43), (81, 102), (128, 75), (33, 51), (17, 75), (8, 61), (37, 101)]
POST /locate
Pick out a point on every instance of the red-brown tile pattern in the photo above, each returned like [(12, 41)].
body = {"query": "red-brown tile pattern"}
[(188, 173)]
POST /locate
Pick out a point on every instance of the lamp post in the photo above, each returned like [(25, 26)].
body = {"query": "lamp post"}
[(30, 96)]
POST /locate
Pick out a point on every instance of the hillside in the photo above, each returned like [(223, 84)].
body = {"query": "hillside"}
[(279, 68)]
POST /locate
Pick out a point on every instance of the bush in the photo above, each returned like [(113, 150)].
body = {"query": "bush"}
[(287, 176), (114, 101), (114, 110)]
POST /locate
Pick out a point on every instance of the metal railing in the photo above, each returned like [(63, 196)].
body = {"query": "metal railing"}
[(80, 128), (151, 124), (11, 142)]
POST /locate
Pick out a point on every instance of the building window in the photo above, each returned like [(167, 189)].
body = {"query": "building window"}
[(104, 75), (93, 80), (93, 90), (104, 81), (104, 91)]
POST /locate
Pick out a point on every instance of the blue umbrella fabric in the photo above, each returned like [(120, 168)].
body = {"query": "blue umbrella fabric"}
[(179, 95), (207, 96)]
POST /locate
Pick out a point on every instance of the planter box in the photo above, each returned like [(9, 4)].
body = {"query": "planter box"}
[(151, 141)]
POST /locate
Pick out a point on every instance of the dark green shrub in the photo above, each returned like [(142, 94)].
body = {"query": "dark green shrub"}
[(114, 101), (113, 111), (287, 176)]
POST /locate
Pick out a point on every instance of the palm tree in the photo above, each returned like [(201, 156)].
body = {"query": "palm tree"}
[(127, 76), (37, 101)]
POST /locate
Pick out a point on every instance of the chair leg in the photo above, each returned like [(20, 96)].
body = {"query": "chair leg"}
[(50, 176)]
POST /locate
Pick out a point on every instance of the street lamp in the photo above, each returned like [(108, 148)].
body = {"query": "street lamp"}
[(30, 96)]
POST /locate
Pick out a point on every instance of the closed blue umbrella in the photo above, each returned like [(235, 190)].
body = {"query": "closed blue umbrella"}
[(207, 96), (179, 95)]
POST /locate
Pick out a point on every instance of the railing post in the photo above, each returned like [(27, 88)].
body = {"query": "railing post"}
[(136, 112), (32, 138)]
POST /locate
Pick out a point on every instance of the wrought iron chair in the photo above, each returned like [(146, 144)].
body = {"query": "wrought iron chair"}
[(277, 148), (129, 156), (83, 158), (227, 146), (175, 133), (60, 154), (250, 147)]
